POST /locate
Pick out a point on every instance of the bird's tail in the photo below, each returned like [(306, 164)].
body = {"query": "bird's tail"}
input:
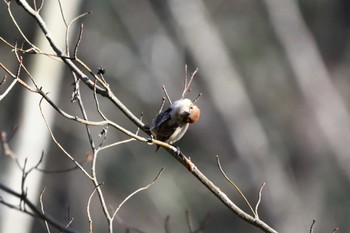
[(157, 148)]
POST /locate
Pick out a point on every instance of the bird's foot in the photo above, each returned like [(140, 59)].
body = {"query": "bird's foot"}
[(150, 140), (178, 151)]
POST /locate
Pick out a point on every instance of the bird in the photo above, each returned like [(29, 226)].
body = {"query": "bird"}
[(171, 125)]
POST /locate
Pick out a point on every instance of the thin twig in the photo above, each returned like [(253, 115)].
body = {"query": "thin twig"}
[(135, 192), (312, 226), (16, 207), (75, 53), (166, 94), (8, 89), (259, 200), (197, 98), (6, 150), (123, 141), (188, 84), (79, 36), (88, 209), (117, 143), (189, 220), (98, 104), (59, 145), (18, 27), (70, 222), (62, 13), (42, 209), (41, 6), (166, 224), (162, 105), (82, 110), (234, 185), (100, 123), (80, 16), (3, 80), (104, 131), (25, 85)]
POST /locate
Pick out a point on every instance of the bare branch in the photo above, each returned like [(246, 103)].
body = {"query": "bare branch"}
[(188, 84), (98, 104), (40, 7), (135, 192), (123, 141), (312, 226), (59, 145), (162, 105), (197, 98), (234, 185), (259, 200), (189, 221), (3, 80), (117, 143), (35, 211), (70, 222), (8, 89), (166, 224), (19, 28), (25, 85), (62, 13), (6, 150), (98, 123), (75, 53), (88, 209), (42, 209), (166, 94), (82, 109)]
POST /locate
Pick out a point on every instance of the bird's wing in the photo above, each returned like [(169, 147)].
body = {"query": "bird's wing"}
[(163, 126), (161, 118)]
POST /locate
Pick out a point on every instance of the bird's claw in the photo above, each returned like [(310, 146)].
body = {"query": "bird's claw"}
[(178, 151), (150, 139)]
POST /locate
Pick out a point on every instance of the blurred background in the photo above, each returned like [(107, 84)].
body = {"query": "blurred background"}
[(275, 108)]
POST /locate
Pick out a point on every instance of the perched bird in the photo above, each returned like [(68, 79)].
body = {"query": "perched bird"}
[(170, 125)]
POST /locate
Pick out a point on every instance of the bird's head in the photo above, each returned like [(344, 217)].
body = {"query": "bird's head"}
[(185, 110)]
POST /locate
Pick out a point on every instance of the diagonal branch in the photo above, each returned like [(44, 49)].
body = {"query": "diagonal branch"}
[(35, 211), (234, 185)]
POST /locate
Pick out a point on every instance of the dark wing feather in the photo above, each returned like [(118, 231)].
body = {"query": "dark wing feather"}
[(163, 126), (161, 118)]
